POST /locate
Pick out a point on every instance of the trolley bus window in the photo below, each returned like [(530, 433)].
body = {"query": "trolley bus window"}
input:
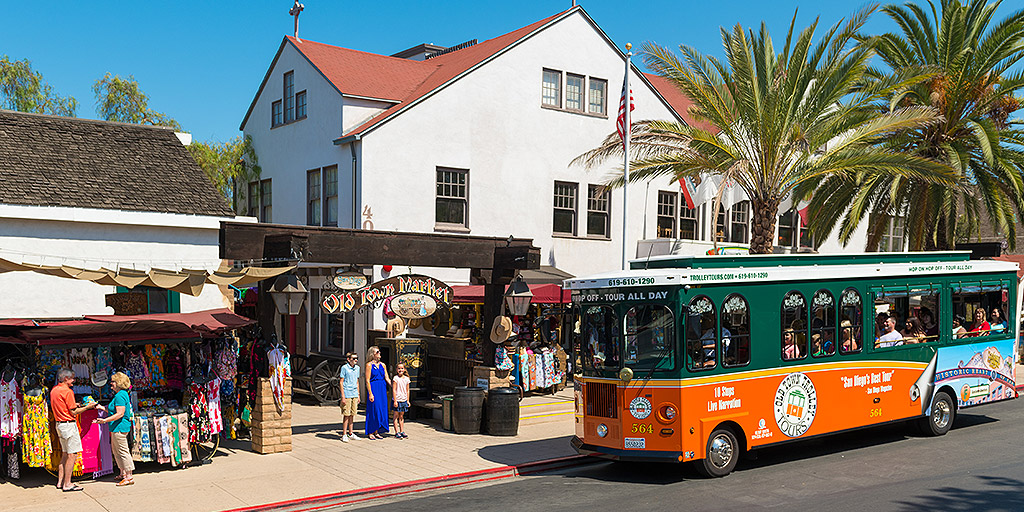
[(650, 337), (735, 331), (794, 326), (700, 333), (981, 309), (601, 337), (823, 324), (906, 317), (850, 327)]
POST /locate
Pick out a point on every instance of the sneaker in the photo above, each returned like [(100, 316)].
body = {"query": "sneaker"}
[(344, 439), (353, 437)]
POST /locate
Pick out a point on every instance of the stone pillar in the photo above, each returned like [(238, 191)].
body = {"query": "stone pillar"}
[(271, 430)]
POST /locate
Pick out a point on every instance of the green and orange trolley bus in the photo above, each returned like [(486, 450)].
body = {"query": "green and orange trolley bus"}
[(703, 358)]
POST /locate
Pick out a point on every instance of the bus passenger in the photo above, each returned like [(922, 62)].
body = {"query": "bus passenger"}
[(914, 332), (789, 348), (958, 326), (890, 337), (931, 328), (849, 342), (981, 326), (707, 339), (998, 322)]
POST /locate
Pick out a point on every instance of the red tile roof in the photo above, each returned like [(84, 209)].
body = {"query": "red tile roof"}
[(679, 100)]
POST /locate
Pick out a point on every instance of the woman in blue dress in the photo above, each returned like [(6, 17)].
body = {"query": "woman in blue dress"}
[(376, 394)]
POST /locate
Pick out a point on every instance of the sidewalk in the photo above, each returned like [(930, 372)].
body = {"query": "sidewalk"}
[(318, 464)]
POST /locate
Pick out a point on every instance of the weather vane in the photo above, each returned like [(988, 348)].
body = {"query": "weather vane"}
[(294, 11)]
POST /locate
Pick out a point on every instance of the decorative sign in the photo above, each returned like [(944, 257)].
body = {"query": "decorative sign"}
[(350, 280), (338, 300), (413, 305)]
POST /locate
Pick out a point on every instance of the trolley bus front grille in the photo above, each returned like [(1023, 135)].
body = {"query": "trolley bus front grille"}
[(601, 400)]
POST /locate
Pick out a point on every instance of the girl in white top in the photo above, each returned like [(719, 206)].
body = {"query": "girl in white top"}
[(400, 392)]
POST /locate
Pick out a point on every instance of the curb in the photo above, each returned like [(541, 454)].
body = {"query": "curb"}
[(312, 503)]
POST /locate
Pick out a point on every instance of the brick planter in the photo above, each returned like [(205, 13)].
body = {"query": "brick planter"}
[(271, 429)]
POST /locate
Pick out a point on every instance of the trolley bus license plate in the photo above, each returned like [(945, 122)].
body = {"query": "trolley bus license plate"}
[(636, 442)]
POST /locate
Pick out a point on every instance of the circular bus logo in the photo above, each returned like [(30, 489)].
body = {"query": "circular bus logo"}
[(795, 404), (640, 407)]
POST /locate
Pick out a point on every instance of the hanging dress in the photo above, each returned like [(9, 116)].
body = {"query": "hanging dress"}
[(10, 409), (35, 448), (199, 417), (377, 410)]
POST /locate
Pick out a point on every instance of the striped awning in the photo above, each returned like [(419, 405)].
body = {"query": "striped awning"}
[(186, 281)]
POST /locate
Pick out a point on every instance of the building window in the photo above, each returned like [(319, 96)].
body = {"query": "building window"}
[(565, 208), (289, 97), (786, 233), (254, 199), (330, 195), (451, 196), (266, 205), (892, 238), (740, 216), (667, 214), (314, 206), (689, 223), (551, 94), (573, 92), (276, 118), (300, 105), (598, 202), (598, 96)]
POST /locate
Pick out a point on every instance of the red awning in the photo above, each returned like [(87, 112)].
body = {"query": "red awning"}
[(542, 294), (129, 328)]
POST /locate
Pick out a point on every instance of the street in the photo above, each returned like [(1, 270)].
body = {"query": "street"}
[(977, 466)]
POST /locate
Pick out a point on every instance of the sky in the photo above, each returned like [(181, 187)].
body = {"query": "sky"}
[(201, 62)]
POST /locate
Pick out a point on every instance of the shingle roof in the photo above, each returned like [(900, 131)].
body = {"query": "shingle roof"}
[(80, 163)]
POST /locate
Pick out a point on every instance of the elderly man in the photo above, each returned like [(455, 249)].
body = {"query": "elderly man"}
[(65, 408)]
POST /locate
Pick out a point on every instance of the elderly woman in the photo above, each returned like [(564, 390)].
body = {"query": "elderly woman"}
[(120, 420)]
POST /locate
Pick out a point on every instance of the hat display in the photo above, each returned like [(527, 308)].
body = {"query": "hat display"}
[(99, 378), (501, 330), (395, 327)]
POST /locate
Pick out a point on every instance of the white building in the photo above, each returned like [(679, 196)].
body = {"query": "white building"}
[(92, 194)]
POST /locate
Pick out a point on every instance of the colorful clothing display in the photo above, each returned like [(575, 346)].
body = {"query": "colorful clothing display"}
[(280, 370), (199, 424), (155, 360), (10, 408), (81, 363), (104, 360), (137, 370), (36, 448), (174, 369), (213, 405)]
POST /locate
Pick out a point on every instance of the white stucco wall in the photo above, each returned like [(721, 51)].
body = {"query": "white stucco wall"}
[(95, 239)]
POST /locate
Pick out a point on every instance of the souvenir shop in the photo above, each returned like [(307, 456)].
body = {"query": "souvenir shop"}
[(190, 377)]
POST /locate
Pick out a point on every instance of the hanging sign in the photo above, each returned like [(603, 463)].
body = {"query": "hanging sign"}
[(350, 280), (412, 290)]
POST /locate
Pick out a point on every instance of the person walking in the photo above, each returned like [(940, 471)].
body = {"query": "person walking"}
[(376, 394), (348, 377), (400, 394), (120, 420), (65, 408)]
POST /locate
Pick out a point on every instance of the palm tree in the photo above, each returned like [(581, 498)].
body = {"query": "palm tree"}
[(969, 57), (781, 118)]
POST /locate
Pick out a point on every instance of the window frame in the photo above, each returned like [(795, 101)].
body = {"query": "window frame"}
[(581, 93), (856, 317), (288, 87), (783, 328), (734, 223), (557, 89), (663, 214), (253, 200), (314, 198), (573, 210), (593, 202), (604, 96), (695, 219), (329, 195), (669, 337), (823, 292), (276, 114), (300, 105), (453, 185), (266, 201), (703, 347), (733, 335)]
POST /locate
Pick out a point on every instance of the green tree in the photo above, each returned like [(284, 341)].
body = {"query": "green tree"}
[(779, 118), (229, 166), (121, 99), (25, 90), (969, 56)]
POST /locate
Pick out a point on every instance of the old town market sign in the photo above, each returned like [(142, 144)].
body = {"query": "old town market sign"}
[(414, 296)]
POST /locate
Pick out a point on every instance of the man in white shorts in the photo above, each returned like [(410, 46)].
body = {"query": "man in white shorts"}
[(65, 408)]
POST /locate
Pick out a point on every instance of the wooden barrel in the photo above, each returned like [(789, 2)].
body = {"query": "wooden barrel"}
[(503, 411), (467, 408)]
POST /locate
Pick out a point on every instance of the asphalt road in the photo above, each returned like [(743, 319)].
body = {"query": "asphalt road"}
[(977, 466)]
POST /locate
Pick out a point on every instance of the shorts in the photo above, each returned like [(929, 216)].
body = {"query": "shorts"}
[(70, 441), (348, 406), (402, 407)]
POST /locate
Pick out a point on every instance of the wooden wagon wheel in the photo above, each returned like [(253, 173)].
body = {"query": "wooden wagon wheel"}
[(324, 382), (300, 364)]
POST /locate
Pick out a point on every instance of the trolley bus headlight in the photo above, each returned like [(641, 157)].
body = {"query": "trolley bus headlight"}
[(602, 430), (669, 412)]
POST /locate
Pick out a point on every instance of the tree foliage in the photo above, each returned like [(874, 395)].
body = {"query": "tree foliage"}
[(969, 56), (25, 90), (780, 118), (229, 165), (121, 99)]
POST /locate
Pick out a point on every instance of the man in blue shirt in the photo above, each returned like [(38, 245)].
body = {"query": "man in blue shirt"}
[(349, 381)]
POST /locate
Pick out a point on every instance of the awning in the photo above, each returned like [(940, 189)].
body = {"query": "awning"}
[(542, 294), (114, 328), (186, 281)]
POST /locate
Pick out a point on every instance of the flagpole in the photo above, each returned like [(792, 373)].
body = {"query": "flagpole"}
[(625, 143)]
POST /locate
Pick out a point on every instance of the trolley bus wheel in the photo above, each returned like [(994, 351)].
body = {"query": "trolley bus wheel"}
[(721, 455), (940, 418)]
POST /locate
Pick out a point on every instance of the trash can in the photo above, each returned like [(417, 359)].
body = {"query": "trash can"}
[(446, 412), (503, 411), (467, 408)]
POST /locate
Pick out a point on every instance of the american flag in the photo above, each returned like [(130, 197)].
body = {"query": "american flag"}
[(620, 122)]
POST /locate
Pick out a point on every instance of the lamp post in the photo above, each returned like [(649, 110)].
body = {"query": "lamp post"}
[(288, 293), (518, 297)]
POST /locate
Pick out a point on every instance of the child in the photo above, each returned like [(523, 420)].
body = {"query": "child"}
[(348, 378), (400, 391)]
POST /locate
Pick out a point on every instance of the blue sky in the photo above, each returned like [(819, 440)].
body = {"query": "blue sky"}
[(201, 62)]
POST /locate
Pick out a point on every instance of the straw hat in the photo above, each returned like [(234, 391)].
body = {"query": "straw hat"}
[(501, 330), (395, 326)]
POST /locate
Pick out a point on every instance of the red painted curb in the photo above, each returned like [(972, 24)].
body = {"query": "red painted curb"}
[(382, 491)]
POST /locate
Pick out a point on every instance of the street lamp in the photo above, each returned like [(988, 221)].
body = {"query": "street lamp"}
[(288, 293), (518, 297)]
